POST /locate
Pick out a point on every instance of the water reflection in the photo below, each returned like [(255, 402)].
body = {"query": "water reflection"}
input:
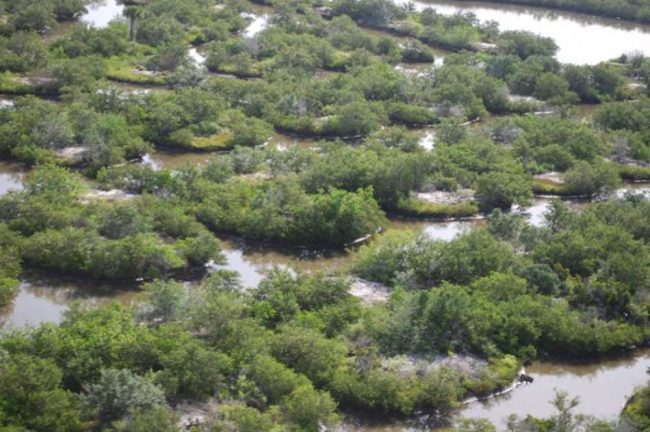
[(196, 57), (634, 188), (11, 178), (582, 39), (427, 139), (253, 262), (603, 388), (102, 12), (174, 160), (169, 159), (536, 213), (43, 299), (257, 24)]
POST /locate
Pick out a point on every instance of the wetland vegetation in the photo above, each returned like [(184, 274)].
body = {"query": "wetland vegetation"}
[(459, 202)]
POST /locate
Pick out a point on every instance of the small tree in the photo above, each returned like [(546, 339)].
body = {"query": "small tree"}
[(119, 391), (132, 11), (587, 179)]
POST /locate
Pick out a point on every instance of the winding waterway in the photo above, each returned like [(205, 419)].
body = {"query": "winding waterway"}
[(602, 389), (581, 39)]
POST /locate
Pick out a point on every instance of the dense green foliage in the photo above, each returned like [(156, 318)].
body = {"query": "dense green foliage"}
[(58, 227), (517, 289), (286, 353), (629, 125), (637, 410), (283, 354), (10, 264), (91, 105)]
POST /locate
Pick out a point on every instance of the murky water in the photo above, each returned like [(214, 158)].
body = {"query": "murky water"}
[(102, 12), (46, 298), (11, 178), (43, 299), (602, 389), (584, 112), (582, 39), (170, 159), (253, 262)]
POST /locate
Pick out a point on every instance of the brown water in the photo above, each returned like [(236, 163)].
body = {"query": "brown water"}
[(253, 262), (582, 39), (172, 160), (43, 299), (602, 389), (584, 112)]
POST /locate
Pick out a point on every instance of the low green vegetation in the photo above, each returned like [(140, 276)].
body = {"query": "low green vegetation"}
[(497, 276), (10, 265), (59, 226), (422, 209), (281, 356), (299, 351), (637, 410), (295, 351)]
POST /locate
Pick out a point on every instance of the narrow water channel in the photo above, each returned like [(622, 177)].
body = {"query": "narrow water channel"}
[(45, 299), (42, 299), (582, 39)]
